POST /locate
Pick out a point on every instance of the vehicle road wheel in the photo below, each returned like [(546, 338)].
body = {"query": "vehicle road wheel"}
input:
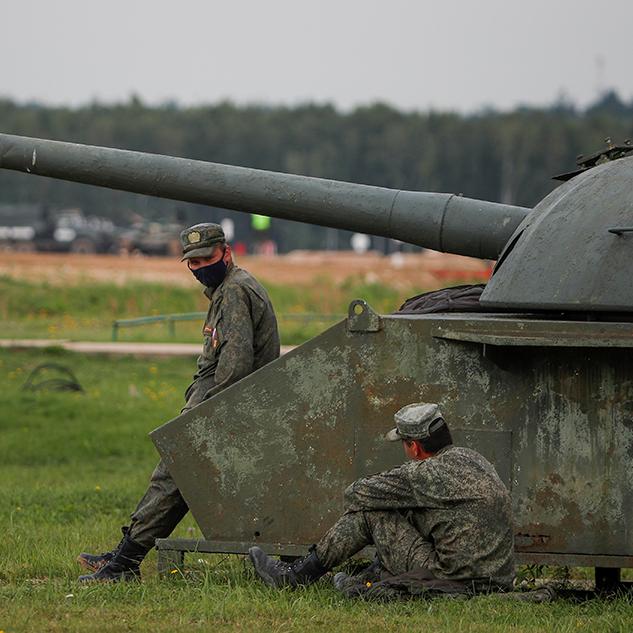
[(84, 246), (22, 247)]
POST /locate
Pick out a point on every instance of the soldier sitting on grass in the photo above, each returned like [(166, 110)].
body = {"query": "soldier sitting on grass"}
[(442, 517)]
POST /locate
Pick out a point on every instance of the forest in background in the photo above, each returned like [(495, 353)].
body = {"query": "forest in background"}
[(500, 156)]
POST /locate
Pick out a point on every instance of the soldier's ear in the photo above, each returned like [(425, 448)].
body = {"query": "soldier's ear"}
[(420, 451)]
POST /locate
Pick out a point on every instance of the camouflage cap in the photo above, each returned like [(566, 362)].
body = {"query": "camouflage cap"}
[(200, 240), (416, 421)]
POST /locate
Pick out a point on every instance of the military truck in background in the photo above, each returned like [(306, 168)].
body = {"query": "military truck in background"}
[(36, 227), (145, 237)]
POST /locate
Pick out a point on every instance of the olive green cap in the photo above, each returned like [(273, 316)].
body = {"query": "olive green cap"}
[(417, 421), (200, 240)]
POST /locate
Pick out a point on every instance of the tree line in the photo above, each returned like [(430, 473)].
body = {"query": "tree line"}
[(500, 156)]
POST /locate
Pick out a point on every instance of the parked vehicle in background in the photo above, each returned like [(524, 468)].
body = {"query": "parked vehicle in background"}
[(151, 238), (30, 227)]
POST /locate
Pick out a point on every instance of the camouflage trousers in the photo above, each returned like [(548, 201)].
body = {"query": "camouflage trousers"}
[(400, 547), (162, 507), (160, 510)]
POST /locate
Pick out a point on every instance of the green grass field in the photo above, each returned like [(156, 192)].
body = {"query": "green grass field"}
[(86, 312), (72, 467)]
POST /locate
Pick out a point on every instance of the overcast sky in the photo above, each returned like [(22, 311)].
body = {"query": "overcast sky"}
[(415, 54)]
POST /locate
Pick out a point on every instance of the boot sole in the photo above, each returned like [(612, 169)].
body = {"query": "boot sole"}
[(126, 577), (266, 578)]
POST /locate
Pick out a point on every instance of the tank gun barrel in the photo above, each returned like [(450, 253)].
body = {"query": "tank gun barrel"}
[(439, 221)]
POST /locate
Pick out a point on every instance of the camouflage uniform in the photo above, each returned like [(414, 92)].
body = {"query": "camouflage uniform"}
[(240, 336), (449, 514)]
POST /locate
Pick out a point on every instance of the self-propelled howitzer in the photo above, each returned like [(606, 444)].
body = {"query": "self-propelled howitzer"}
[(543, 386)]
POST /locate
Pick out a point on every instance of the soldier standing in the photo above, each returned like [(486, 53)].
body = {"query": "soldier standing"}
[(445, 515), (240, 336)]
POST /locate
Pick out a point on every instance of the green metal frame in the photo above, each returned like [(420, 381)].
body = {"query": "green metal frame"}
[(171, 554), (171, 551), (171, 319)]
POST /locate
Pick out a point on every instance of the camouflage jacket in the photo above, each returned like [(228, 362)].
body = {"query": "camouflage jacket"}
[(458, 503), (240, 335)]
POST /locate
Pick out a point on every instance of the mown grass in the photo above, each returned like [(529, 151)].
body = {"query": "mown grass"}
[(72, 467), (86, 311)]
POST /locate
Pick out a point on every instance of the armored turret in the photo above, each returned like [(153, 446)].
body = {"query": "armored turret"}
[(574, 251)]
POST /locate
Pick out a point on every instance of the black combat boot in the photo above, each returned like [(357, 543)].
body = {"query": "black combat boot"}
[(276, 573), (94, 562), (124, 565)]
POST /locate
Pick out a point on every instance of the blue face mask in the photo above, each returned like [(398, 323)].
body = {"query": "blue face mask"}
[(212, 275)]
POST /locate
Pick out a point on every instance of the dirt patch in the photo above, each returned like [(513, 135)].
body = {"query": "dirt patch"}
[(299, 268)]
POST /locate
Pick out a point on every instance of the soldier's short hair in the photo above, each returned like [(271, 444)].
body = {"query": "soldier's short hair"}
[(437, 440)]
